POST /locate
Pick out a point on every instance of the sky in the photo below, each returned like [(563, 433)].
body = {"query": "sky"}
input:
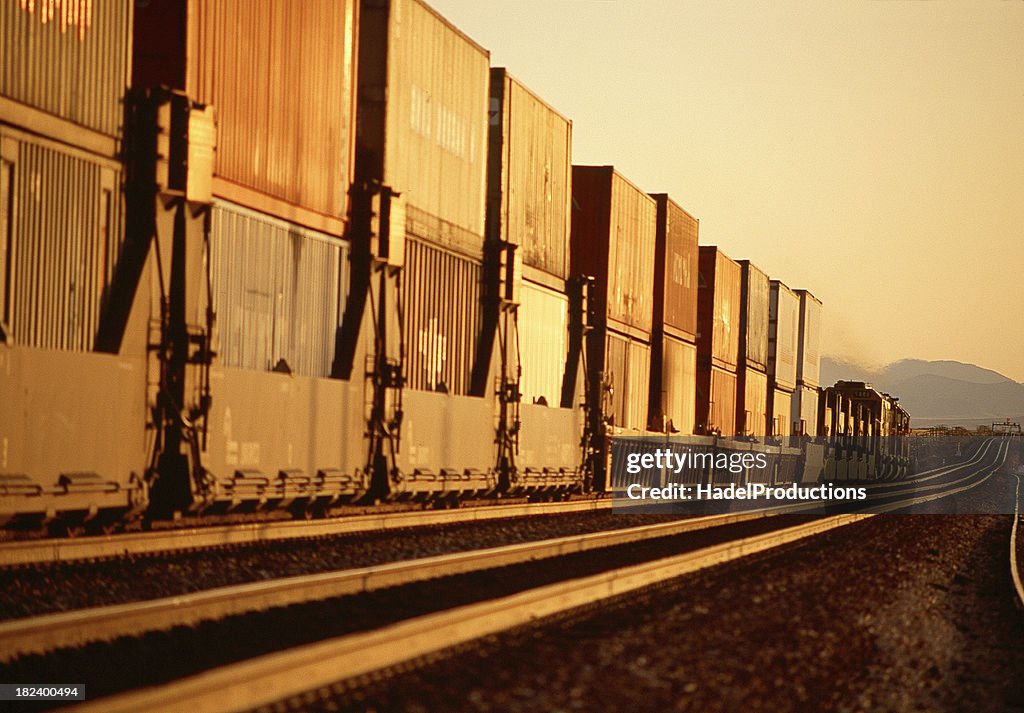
[(869, 151)]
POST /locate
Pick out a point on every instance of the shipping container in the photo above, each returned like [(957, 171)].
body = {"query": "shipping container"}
[(716, 401), (442, 310), (529, 175), (751, 402), (808, 361), (542, 345), (66, 59), (613, 236), (61, 227), (754, 300), (783, 336), (804, 411), (281, 78), (718, 316), (780, 408), (625, 385), (675, 269), (673, 386), (278, 289), (423, 119)]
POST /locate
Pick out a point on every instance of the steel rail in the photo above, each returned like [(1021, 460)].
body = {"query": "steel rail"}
[(1014, 567), (71, 549), (49, 632), (271, 678)]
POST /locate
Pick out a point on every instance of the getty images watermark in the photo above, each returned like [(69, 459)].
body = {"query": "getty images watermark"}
[(659, 462)]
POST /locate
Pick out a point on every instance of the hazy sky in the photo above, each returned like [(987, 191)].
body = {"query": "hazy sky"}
[(871, 152)]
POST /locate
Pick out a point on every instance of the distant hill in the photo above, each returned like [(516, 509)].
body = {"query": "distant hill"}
[(936, 392)]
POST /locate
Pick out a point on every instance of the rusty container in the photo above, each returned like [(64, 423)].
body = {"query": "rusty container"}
[(718, 310), (68, 60), (423, 126), (529, 175), (808, 371), (783, 336), (613, 236), (281, 77), (675, 269)]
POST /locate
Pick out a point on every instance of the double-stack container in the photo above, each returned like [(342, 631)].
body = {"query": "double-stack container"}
[(613, 238), (281, 78), (673, 349), (752, 381), (808, 366), (64, 71), (424, 95), (718, 341), (528, 220)]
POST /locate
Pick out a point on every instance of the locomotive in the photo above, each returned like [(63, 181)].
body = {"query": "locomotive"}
[(293, 256)]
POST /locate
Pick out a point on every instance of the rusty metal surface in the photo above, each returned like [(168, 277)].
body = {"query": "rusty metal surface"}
[(278, 290), (423, 106), (675, 267), (441, 295), (66, 225), (530, 173), (808, 370), (756, 295), (281, 77), (783, 336), (613, 236), (69, 59)]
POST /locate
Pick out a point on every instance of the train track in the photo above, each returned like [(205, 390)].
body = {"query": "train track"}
[(52, 631), (54, 550), (279, 675), (270, 678)]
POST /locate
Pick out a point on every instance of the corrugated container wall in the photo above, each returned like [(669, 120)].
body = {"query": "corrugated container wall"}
[(752, 412), (783, 336), (718, 309), (781, 405), (281, 78), (809, 360), (61, 225), (543, 333), (613, 236), (530, 174), (675, 268), (673, 392), (277, 291), (754, 316), (441, 296), (423, 103), (804, 411), (627, 368), (722, 409), (69, 59)]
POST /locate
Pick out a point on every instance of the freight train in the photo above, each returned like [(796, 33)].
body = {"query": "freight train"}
[(291, 256)]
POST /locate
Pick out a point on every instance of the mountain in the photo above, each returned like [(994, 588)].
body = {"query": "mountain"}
[(949, 392)]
